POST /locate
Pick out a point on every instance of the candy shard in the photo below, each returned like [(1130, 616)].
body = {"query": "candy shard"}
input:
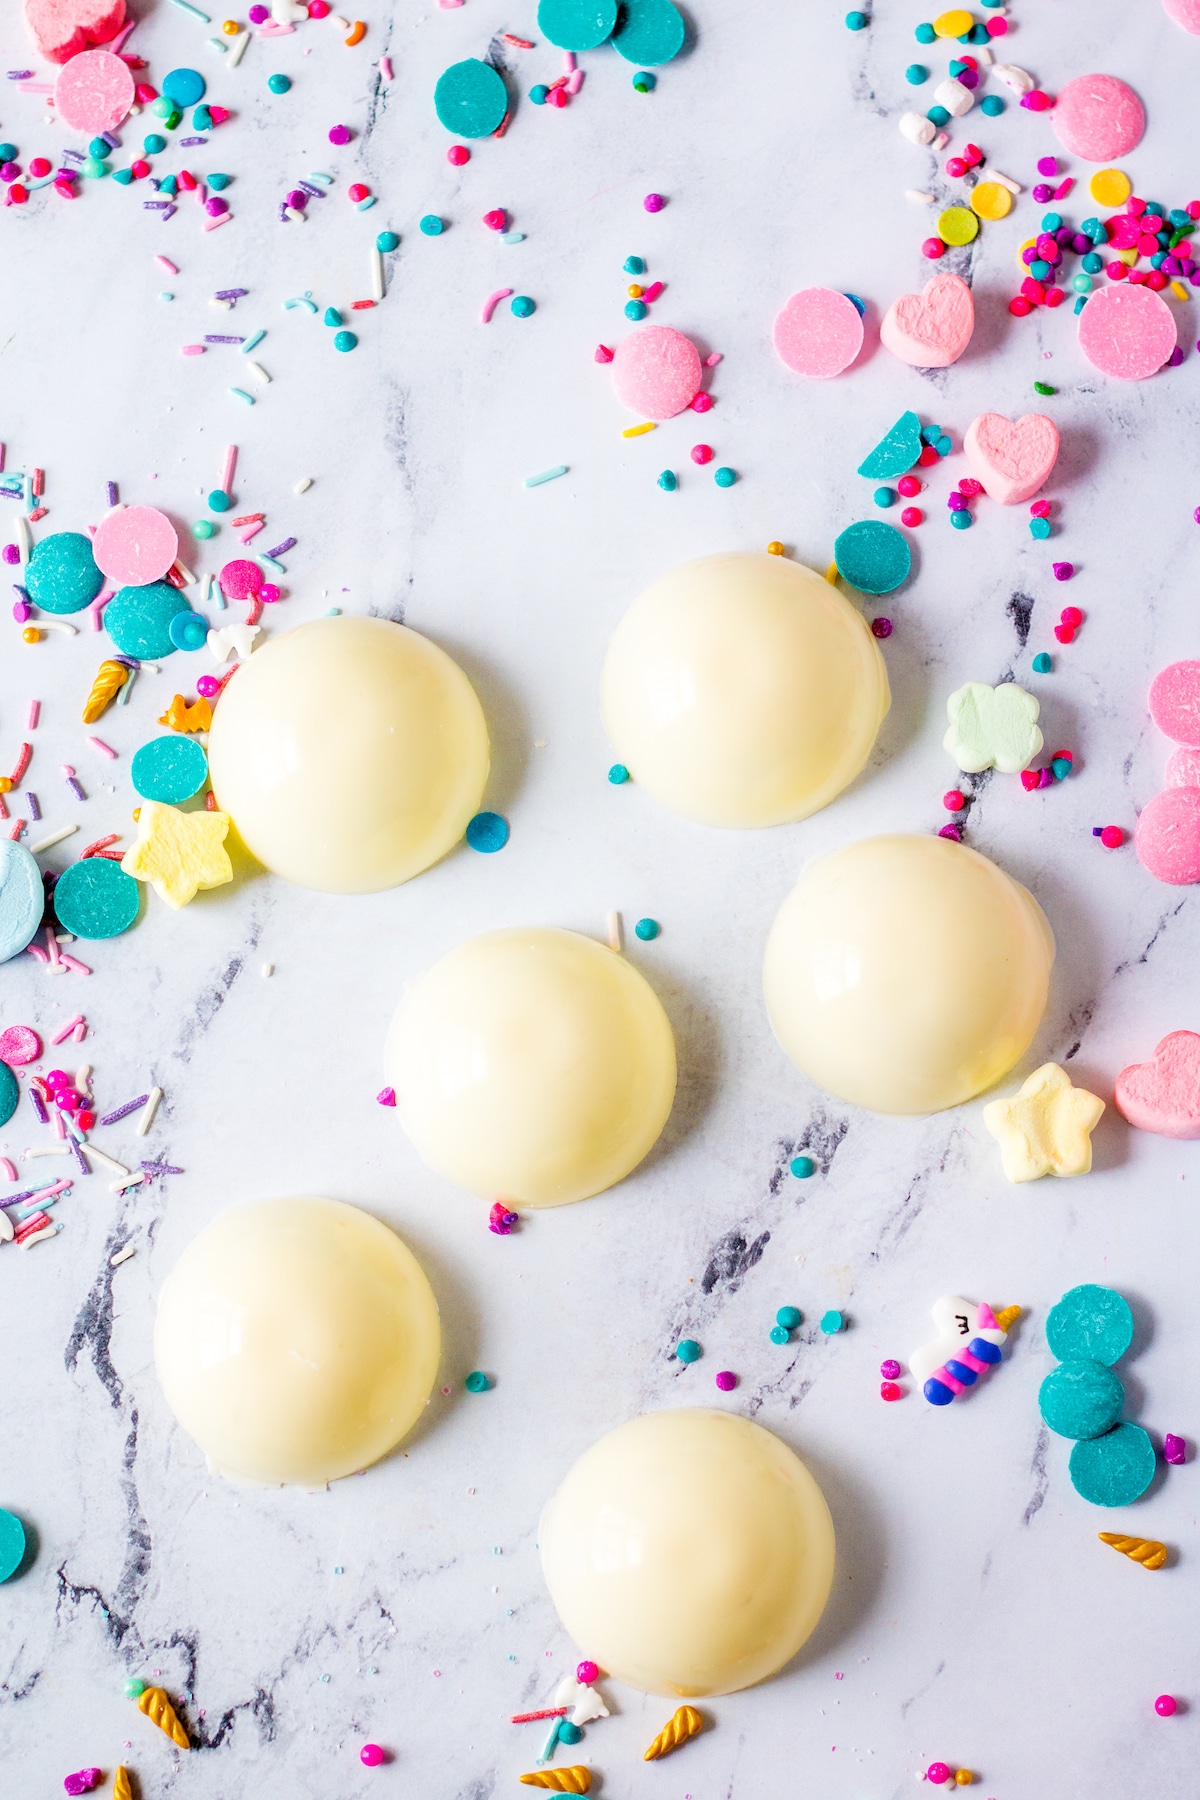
[(683, 1724), (576, 1779), (896, 453), (1013, 458), (1045, 1128), (1163, 1095), (1146, 1551), (158, 1709), (930, 330)]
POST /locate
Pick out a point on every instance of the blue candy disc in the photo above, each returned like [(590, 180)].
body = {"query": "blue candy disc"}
[(896, 453), (649, 31), (487, 831), (576, 24), (1090, 1321), (138, 619), (872, 557), (10, 1093), (61, 576), (12, 1544), (1081, 1399), (170, 769), (95, 898), (470, 98), (188, 630), (1116, 1469), (184, 86), (22, 898)]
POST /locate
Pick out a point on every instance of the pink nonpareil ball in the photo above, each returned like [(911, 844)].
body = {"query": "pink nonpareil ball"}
[(372, 1755)]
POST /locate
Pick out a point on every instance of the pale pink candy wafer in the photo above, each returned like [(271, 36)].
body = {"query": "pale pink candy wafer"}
[(135, 545), (1183, 767), (1163, 1095), (1098, 117), (1127, 332), (1175, 703), (656, 372), (1185, 13), (94, 92), (1012, 457), (930, 330), (819, 332), (1167, 838), (60, 29)]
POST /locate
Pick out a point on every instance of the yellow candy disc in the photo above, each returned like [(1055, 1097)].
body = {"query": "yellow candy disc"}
[(1021, 263), (953, 24), (991, 201), (1110, 187), (957, 225)]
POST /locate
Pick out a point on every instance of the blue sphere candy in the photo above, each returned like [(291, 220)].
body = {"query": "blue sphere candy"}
[(569, 1732), (647, 930), (725, 478), (884, 496), (487, 832), (634, 265), (668, 481), (172, 768), (645, 82), (937, 115), (153, 144), (344, 340), (618, 775), (279, 84), (944, 446), (856, 21), (8, 152), (218, 501), (1051, 221), (1042, 663), (522, 307), (831, 1321), (1039, 270), (925, 34), (779, 1335), (387, 240), (217, 180), (961, 521), (688, 1350), (915, 74), (1091, 263), (332, 316), (61, 575), (1039, 528), (183, 86), (188, 630), (635, 310), (802, 1167), (431, 225), (992, 105), (538, 93), (859, 304), (789, 1317)]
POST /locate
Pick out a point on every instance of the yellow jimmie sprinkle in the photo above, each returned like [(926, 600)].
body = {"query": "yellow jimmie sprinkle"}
[(1179, 291), (639, 430)]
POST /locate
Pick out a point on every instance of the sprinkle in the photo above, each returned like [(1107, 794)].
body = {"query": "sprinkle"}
[(639, 430), (187, 7), (385, 68), (546, 475), (489, 305), (280, 549), (127, 1181), (123, 1112), (250, 342), (114, 1262), (35, 708), (303, 485), (147, 1119), (547, 1712), (56, 837), (161, 1168), (110, 1162)]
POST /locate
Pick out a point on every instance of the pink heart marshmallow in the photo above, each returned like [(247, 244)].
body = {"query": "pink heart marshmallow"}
[(1013, 458), (1163, 1095), (60, 29), (930, 330)]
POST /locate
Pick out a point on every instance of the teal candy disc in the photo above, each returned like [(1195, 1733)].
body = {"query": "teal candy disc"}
[(138, 619), (170, 769), (61, 576), (12, 1544), (1081, 1399), (895, 454), (872, 557), (10, 1093), (22, 898), (95, 898), (649, 32), (1116, 1469), (184, 86), (470, 98), (1090, 1322), (577, 24)]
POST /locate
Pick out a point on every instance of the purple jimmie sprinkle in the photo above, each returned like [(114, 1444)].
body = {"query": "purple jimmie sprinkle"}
[(75, 155), (114, 143), (35, 811), (210, 338), (10, 493), (308, 188), (85, 1168), (155, 205), (283, 212), (20, 74), (122, 1112), (13, 1199), (188, 142), (75, 788), (43, 1118), (287, 544), (168, 212), (156, 1168), (230, 293), (111, 489)]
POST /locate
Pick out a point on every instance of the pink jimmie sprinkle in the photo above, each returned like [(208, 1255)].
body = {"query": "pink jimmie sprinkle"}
[(492, 302), (35, 709), (102, 747)]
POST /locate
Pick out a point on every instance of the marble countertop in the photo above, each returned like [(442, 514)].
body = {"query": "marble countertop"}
[(974, 1617)]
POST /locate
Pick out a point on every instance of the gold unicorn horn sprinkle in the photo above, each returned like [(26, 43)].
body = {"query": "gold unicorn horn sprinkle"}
[(111, 677), (683, 1725), (160, 1712), (1148, 1552), (575, 1780)]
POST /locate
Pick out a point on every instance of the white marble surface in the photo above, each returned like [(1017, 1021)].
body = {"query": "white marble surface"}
[(975, 1617)]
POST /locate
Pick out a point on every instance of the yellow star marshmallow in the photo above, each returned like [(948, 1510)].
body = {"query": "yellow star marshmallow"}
[(1045, 1128), (178, 852)]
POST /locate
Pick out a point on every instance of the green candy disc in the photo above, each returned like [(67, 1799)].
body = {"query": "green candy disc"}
[(95, 898), (896, 453), (10, 1093), (61, 575), (649, 32), (1116, 1469), (1093, 1322), (470, 98), (576, 24), (170, 769), (12, 1544), (872, 557), (1081, 1399), (138, 619)]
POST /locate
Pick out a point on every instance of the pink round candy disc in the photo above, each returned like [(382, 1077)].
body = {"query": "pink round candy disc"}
[(1127, 332), (819, 332), (1185, 13), (1167, 839), (1098, 118), (94, 92), (1183, 767), (19, 1044), (240, 579), (656, 372), (1175, 703), (135, 545)]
